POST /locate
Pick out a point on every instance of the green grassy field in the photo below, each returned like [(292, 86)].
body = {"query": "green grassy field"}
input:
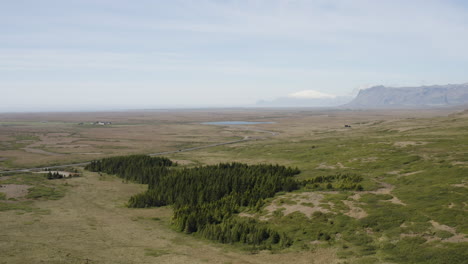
[(414, 198), (412, 207)]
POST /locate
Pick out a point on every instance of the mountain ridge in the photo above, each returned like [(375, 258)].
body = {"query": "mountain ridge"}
[(422, 96)]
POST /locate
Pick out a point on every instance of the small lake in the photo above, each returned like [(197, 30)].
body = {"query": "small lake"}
[(236, 123)]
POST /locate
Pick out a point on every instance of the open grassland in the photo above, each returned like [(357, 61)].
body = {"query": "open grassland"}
[(45, 139), (412, 207), (91, 224), (31, 140)]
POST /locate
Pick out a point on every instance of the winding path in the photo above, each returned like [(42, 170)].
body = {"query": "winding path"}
[(245, 139)]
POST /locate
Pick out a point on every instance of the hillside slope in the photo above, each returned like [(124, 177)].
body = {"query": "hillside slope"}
[(423, 96)]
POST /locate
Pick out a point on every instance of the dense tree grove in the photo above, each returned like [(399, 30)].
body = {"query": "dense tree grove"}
[(206, 199), (138, 168), (206, 184)]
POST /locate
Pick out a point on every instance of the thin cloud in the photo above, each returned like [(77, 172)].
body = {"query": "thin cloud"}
[(239, 50)]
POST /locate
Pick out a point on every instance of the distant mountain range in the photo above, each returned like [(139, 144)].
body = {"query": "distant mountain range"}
[(423, 96), (382, 97), (306, 102)]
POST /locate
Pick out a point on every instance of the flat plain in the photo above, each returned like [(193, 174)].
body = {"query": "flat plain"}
[(412, 208)]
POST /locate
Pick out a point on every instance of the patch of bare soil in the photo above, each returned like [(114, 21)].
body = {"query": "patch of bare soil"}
[(306, 203), (461, 185), (243, 214), (387, 189), (309, 202), (456, 238), (399, 174), (395, 200), (325, 166), (331, 167), (463, 163), (14, 190), (438, 226), (428, 237), (406, 128), (409, 143), (341, 166), (354, 211), (365, 160), (411, 173)]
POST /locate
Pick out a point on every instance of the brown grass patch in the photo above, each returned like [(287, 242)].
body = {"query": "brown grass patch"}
[(91, 224), (14, 190), (409, 143), (354, 211), (297, 203)]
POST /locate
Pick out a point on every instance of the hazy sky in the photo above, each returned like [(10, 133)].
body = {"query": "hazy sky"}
[(96, 54)]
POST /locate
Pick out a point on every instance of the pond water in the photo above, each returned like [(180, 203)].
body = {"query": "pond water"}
[(236, 123)]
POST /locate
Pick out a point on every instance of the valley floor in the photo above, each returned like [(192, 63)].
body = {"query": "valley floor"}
[(412, 207), (90, 224)]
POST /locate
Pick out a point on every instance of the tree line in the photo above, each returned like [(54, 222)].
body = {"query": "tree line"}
[(207, 199), (137, 168)]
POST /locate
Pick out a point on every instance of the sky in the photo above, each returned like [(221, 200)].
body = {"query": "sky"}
[(114, 54)]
